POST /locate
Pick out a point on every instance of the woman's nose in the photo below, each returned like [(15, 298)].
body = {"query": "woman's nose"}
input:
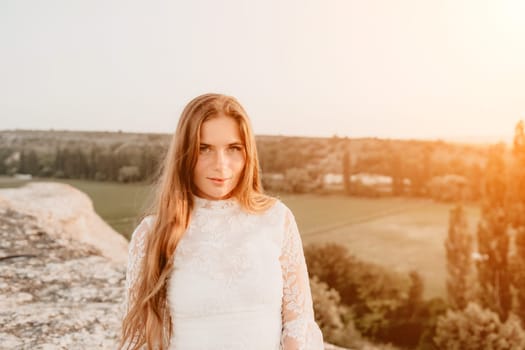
[(220, 159)]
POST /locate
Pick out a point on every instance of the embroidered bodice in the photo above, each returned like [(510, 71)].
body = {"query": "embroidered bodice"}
[(239, 280)]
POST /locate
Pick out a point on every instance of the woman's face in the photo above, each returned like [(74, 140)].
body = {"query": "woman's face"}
[(221, 158)]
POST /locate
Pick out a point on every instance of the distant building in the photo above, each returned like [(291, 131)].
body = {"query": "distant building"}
[(332, 182), (380, 183), (273, 176), (23, 176)]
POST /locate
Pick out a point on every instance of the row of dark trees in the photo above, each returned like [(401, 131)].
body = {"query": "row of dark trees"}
[(93, 163), (306, 160), (416, 161)]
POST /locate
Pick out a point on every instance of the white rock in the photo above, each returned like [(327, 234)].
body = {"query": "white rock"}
[(67, 213)]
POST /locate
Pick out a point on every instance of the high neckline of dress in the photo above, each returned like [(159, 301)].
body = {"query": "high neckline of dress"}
[(215, 203)]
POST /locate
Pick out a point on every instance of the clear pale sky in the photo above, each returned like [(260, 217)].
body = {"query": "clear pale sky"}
[(452, 69)]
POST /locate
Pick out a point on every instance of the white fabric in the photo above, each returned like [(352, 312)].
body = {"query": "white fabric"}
[(239, 281)]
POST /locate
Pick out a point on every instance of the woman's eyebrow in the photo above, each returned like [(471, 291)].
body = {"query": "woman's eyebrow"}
[(235, 143)]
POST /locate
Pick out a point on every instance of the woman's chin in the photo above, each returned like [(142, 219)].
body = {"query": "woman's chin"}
[(216, 195)]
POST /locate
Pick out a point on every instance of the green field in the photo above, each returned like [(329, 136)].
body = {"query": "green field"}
[(401, 233)]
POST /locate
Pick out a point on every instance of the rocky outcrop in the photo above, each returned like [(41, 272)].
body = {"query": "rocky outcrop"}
[(66, 212), (61, 282), (63, 271), (55, 293)]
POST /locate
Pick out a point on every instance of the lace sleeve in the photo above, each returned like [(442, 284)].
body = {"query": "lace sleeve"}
[(135, 256), (299, 332)]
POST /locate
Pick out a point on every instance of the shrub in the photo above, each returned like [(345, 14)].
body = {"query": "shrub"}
[(329, 313), (475, 328), (382, 304), (298, 180), (128, 173), (332, 264)]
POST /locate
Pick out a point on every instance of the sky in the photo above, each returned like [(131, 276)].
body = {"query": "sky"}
[(423, 69)]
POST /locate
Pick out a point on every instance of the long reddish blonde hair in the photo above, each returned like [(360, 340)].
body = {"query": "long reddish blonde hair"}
[(148, 321)]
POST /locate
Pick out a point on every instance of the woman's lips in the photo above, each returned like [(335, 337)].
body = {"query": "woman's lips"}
[(218, 180)]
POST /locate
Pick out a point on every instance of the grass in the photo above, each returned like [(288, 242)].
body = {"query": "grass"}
[(401, 233)]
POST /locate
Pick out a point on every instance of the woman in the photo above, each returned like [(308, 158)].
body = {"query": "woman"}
[(220, 265)]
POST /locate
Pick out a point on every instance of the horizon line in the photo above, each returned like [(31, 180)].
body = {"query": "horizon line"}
[(469, 139)]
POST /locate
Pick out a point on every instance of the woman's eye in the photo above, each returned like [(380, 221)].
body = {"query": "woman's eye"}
[(236, 148), (204, 149)]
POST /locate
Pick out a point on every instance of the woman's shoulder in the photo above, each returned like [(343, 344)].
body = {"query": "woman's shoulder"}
[(278, 208), (278, 204), (145, 224), (149, 220)]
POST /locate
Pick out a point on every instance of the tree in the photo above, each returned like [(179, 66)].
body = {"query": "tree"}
[(475, 328), (475, 174), (519, 139), (32, 163), (58, 165), (397, 175), (151, 160), (374, 292), (5, 152), (23, 163), (458, 245), (92, 162), (516, 215), (332, 264), (416, 290), (407, 321), (347, 171), (81, 164), (516, 197), (383, 305), (298, 180), (493, 240), (128, 173), (328, 311)]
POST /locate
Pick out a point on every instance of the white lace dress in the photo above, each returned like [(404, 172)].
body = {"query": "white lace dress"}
[(239, 281)]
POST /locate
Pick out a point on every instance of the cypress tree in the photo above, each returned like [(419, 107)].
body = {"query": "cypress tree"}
[(459, 251), (397, 175), (516, 213), (347, 172), (493, 240)]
